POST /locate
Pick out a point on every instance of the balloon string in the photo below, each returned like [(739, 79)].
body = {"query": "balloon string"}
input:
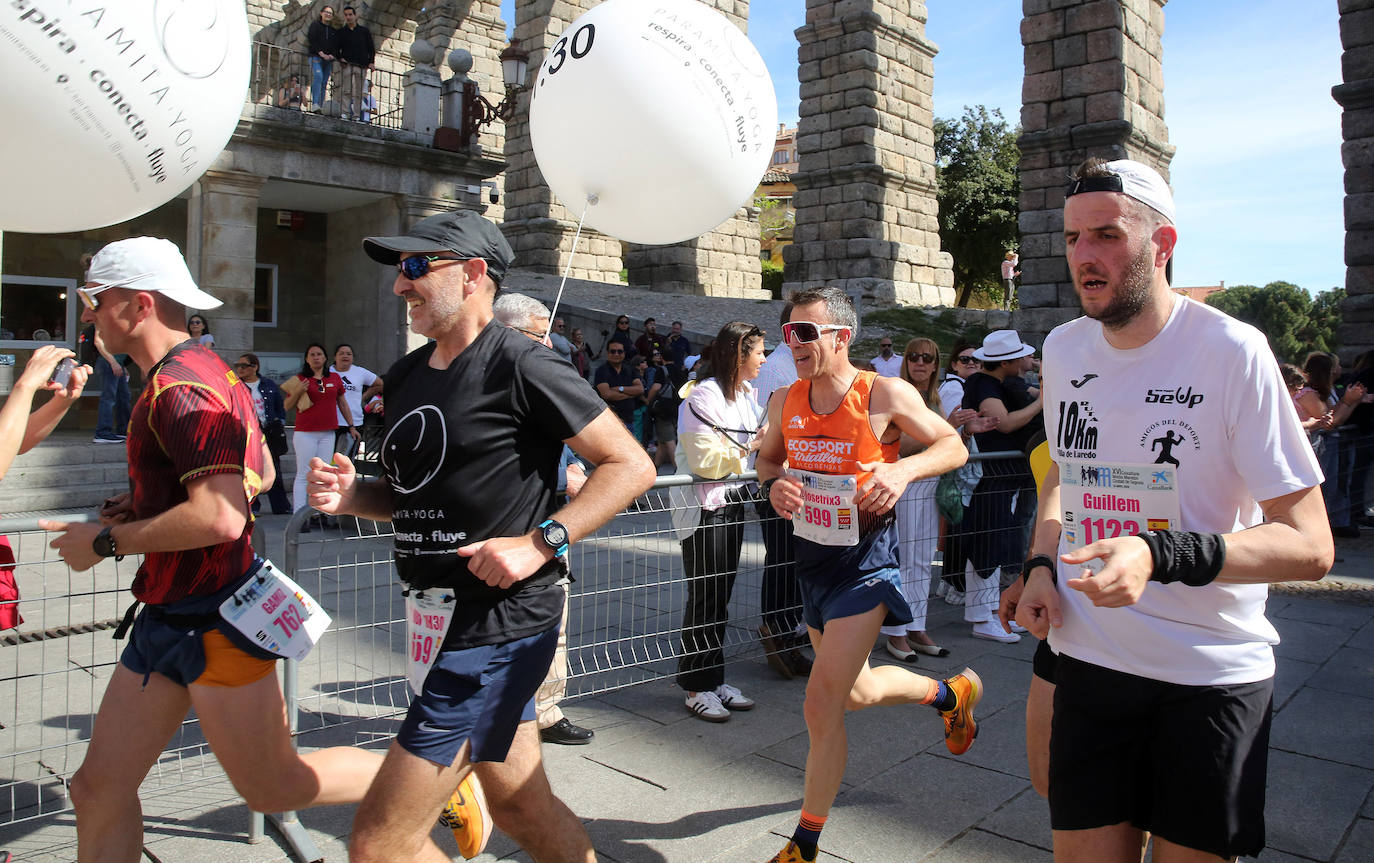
[(591, 199)]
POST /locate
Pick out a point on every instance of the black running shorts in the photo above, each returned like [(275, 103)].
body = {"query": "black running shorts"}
[(1186, 763)]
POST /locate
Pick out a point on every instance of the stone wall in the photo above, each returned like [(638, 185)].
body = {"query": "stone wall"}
[(867, 219), (723, 263), (1094, 86), (1356, 97)]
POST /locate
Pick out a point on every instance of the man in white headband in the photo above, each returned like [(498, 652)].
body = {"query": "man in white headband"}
[(1181, 484)]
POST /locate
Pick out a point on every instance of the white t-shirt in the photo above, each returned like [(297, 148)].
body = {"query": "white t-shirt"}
[(777, 372), (951, 394), (355, 380), (888, 368), (255, 389), (1204, 394)]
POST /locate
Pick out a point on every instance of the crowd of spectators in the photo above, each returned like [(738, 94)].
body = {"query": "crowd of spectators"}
[(1337, 411)]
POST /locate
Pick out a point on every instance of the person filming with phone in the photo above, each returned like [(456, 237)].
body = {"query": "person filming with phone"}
[(51, 369)]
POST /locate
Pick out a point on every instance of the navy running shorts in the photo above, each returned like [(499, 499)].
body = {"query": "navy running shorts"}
[(822, 602), (480, 694)]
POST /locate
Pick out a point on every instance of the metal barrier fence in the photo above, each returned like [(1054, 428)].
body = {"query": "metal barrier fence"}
[(282, 78), (625, 626)]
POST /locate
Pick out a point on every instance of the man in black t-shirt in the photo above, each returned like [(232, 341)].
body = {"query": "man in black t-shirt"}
[(476, 422), (617, 383)]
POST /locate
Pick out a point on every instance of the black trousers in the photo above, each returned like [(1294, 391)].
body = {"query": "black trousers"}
[(779, 595), (710, 557)]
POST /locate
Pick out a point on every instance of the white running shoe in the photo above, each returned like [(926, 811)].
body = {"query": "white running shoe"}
[(954, 597), (732, 698), (992, 631), (705, 705)]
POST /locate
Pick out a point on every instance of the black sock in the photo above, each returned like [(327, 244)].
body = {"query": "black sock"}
[(945, 699)]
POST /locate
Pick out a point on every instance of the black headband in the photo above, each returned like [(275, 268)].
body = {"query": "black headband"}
[(1110, 183)]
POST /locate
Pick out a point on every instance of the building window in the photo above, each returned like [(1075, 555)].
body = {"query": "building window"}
[(780, 158), (36, 311), (265, 295)]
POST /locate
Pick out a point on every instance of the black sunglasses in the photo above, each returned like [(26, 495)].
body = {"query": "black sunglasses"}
[(416, 267), (968, 361), (915, 357)]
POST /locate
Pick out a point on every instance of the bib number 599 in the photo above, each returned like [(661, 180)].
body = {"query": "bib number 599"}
[(816, 515)]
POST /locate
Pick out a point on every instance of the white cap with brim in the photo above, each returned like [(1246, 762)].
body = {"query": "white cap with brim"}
[(1002, 345), (149, 264), (1132, 179)]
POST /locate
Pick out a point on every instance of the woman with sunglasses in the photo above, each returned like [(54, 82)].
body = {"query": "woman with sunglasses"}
[(718, 434), (918, 521), (622, 335), (317, 423), (199, 328), (962, 364)]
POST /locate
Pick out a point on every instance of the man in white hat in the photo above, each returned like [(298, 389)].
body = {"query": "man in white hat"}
[(994, 543), (196, 460), (1148, 573)]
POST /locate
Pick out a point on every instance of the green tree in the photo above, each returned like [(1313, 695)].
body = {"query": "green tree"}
[(979, 190), (1293, 322)]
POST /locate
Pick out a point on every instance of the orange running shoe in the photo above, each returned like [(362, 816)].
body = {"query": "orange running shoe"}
[(792, 854), (960, 726), (467, 816)]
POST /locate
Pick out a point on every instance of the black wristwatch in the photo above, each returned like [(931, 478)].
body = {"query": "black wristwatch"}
[(1040, 560), (104, 544), (555, 536)]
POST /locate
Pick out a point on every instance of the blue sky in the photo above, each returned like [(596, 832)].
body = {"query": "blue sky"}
[(1257, 178)]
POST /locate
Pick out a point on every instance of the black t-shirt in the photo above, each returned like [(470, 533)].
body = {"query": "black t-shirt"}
[(625, 408), (471, 452), (1018, 396), (979, 387)]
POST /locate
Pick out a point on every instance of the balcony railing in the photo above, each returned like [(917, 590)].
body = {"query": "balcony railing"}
[(283, 79)]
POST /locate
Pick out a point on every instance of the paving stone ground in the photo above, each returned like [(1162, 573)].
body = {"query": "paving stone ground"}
[(658, 786)]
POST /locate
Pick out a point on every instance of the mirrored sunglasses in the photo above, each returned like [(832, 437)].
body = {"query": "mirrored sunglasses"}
[(416, 267), (803, 332)]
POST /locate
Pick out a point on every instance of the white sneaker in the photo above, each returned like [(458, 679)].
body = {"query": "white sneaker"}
[(732, 698), (1018, 628), (940, 586), (707, 706), (992, 631), (954, 597)]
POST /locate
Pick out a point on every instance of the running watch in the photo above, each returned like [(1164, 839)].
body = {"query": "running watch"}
[(555, 536), (104, 543)]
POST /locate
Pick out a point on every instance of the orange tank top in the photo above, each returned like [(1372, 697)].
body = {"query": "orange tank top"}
[(836, 442)]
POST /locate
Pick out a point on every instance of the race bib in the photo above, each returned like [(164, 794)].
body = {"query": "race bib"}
[(1104, 501), (428, 615), (828, 515), (275, 613)]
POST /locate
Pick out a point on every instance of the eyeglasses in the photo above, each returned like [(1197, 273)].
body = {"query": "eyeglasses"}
[(416, 267), (610, 351), (243, 365), (538, 337), (804, 332), (968, 361), (915, 357), (87, 296)]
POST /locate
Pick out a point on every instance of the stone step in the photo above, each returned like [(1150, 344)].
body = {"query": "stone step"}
[(71, 497), (74, 448)]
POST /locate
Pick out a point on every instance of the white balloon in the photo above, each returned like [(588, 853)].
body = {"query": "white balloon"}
[(113, 109), (661, 111)]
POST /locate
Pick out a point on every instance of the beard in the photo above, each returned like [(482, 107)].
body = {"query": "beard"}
[(1132, 295)]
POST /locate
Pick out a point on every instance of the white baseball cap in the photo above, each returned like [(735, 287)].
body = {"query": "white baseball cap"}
[(1132, 179), (149, 264)]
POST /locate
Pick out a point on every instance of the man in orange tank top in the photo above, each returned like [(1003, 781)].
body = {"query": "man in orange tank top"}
[(830, 461)]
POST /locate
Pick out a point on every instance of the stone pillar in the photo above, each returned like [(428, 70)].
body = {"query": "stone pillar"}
[(723, 263), (421, 111), (1356, 98), (867, 219), (222, 252), (540, 229), (1094, 86)]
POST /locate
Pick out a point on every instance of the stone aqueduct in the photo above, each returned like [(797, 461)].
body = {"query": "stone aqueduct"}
[(865, 201)]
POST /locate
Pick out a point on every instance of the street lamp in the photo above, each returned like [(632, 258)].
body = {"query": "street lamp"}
[(477, 111)]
